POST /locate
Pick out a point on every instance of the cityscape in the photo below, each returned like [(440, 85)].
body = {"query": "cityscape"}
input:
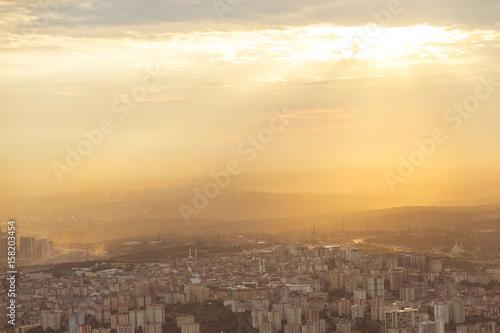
[(249, 166), (243, 284)]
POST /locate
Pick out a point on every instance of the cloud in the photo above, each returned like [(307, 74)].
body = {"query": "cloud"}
[(62, 76), (117, 17)]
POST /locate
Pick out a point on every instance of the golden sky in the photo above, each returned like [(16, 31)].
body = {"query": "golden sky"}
[(359, 86)]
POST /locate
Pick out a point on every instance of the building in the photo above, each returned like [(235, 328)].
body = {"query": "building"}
[(119, 319), (319, 325), (294, 316), (359, 293), (52, 319), (440, 328), (308, 328), (125, 329), (419, 282), (275, 317), (344, 307), (443, 286), (153, 328), (343, 326), (84, 329), (282, 309), (75, 320), (293, 328), (396, 280), (357, 311), (190, 328), (44, 248), (458, 248), (136, 318), (267, 327), (155, 313), (441, 311), (375, 286), (101, 330), (426, 327), (196, 293), (398, 319), (27, 247), (337, 280), (259, 303), (457, 312), (258, 317), (185, 319), (408, 293)]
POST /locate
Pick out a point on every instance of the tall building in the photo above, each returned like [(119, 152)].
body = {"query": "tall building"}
[(102, 314), (259, 303), (440, 328), (457, 312), (308, 328), (490, 327), (136, 318), (403, 260), (354, 256), (377, 312), (196, 293), (426, 327), (398, 319), (294, 316), (396, 280), (84, 329), (419, 282), (275, 317), (357, 311), (52, 319), (44, 248), (408, 293), (343, 326), (282, 309), (27, 247), (153, 328), (337, 280), (125, 329), (267, 327), (258, 317), (311, 314), (359, 293), (141, 288), (101, 330), (119, 319), (344, 307), (155, 313), (190, 328), (319, 325), (293, 328), (375, 286), (75, 320), (441, 311), (443, 286), (185, 319)]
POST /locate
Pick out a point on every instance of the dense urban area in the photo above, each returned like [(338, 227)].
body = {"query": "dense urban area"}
[(245, 285)]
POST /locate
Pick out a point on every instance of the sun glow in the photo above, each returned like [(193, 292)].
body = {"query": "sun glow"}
[(293, 44)]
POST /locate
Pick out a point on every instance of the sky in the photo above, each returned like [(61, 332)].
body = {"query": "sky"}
[(177, 87)]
